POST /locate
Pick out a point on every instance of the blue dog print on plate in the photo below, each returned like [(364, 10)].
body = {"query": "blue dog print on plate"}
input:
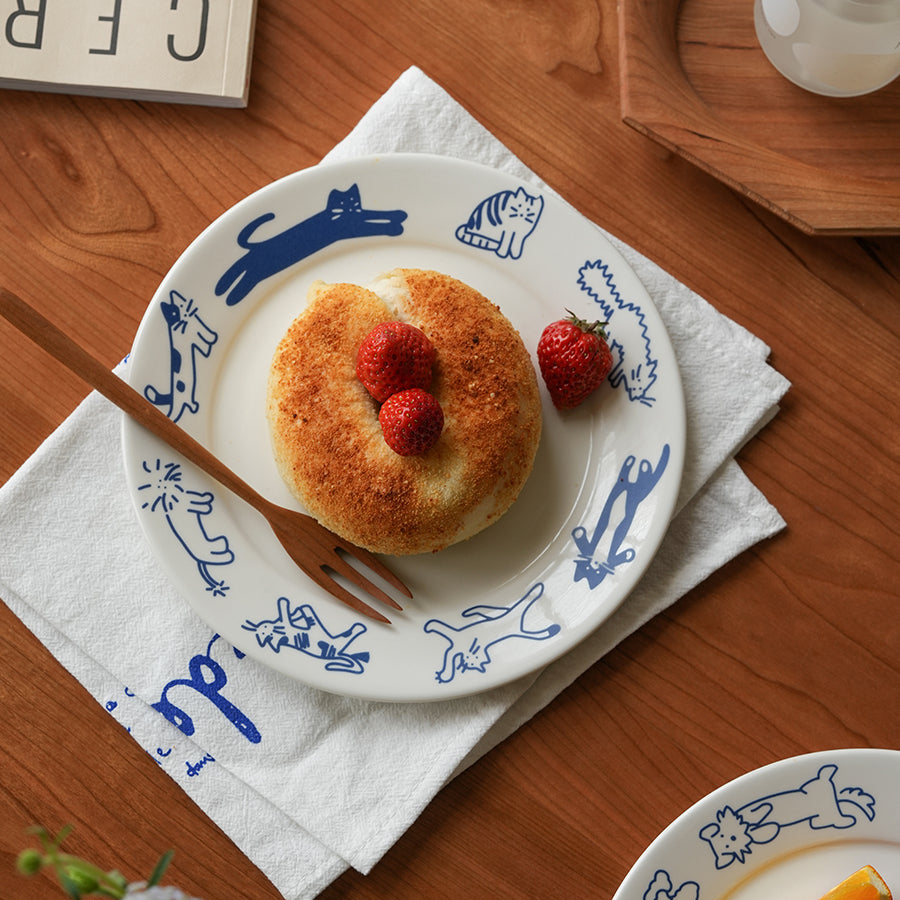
[(469, 645), (301, 629), (615, 521), (343, 217), (502, 222), (636, 373), (185, 512), (189, 337), (817, 802)]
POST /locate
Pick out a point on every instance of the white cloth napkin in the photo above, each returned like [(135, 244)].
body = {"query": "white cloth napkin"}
[(308, 783)]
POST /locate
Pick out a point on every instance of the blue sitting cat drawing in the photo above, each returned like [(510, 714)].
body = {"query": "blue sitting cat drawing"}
[(502, 222), (344, 217)]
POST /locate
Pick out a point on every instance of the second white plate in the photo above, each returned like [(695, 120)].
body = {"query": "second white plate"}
[(788, 831)]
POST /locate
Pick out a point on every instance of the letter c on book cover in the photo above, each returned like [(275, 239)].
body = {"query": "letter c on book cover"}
[(201, 39)]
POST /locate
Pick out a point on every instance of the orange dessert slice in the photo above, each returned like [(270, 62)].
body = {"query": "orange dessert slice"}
[(865, 884)]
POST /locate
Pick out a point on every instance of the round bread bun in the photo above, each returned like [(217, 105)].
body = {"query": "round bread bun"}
[(324, 425)]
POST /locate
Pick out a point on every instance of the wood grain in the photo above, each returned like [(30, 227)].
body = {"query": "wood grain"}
[(792, 647), (696, 80)]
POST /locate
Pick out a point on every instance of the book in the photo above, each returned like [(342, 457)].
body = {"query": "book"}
[(182, 51)]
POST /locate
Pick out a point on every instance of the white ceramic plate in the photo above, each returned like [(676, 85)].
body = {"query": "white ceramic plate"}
[(485, 612), (789, 831)]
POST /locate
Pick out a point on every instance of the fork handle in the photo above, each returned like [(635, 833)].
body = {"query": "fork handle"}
[(46, 335)]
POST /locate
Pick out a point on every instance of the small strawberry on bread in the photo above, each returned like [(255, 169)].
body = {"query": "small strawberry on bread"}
[(411, 421), (393, 357)]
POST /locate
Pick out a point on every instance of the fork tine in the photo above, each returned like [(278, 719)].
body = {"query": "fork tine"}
[(372, 562), (333, 543), (329, 561), (321, 577), (343, 567), (317, 551)]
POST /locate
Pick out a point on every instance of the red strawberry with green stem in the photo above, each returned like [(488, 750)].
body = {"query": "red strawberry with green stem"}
[(394, 356), (411, 421), (574, 359)]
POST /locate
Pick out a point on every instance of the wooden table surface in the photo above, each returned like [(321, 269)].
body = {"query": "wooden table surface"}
[(791, 648)]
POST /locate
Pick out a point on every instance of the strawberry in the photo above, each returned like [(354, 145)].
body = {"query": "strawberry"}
[(574, 359), (411, 421), (393, 357)]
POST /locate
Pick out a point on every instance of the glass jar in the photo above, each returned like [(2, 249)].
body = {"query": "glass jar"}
[(840, 48)]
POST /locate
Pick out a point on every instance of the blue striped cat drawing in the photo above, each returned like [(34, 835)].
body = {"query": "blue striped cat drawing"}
[(502, 222)]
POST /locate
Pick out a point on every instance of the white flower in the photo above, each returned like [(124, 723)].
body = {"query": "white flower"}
[(140, 891)]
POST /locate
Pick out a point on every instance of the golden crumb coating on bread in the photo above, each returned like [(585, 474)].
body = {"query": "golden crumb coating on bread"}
[(324, 425)]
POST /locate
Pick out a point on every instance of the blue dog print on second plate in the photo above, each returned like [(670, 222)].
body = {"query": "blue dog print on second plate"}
[(189, 337), (817, 802), (501, 223), (633, 369), (661, 888), (185, 512), (343, 217), (624, 498), (470, 644), (301, 629)]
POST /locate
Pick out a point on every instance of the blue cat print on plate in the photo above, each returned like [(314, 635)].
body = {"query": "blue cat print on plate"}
[(189, 337), (469, 642), (634, 367), (661, 888), (343, 217), (821, 803), (191, 341), (187, 513), (603, 549), (302, 630), (502, 222), (601, 552), (817, 803)]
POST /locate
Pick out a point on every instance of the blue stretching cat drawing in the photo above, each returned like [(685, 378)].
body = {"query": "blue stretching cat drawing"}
[(185, 512), (343, 217)]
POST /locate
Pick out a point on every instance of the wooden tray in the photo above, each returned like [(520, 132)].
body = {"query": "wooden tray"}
[(694, 78)]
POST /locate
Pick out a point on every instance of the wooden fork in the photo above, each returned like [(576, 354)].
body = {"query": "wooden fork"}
[(313, 548)]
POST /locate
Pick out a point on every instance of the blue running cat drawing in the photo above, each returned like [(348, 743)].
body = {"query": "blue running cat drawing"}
[(468, 646), (344, 217)]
